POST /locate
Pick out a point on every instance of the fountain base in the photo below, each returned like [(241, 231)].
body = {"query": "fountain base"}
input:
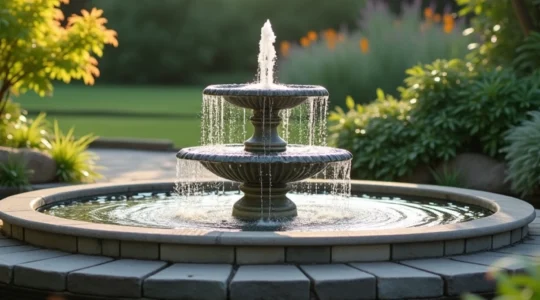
[(266, 202)]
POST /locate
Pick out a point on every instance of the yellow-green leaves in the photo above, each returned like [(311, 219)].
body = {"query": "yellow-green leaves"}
[(349, 102), (35, 49), (74, 163)]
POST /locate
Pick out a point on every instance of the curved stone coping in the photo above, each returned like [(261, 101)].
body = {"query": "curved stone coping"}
[(235, 153), (289, 90), (510, 214)]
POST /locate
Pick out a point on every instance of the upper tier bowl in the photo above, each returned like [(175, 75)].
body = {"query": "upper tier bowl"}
[(275, 97)]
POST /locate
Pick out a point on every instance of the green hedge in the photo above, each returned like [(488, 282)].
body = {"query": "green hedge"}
[(445, 108), (181, 41)]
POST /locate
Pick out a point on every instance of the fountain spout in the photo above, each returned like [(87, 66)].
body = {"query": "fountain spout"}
[(267, 55)]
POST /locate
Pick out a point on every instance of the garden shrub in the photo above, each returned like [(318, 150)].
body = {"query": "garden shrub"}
[(523, 155), (74, 163), (13, 172), (24, 132), (376, 55), (446, 107)]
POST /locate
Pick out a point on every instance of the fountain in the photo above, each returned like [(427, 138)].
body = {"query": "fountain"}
[(265, 164), (277, 217)]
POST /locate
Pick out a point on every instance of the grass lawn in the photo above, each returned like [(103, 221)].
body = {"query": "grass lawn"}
[(184, 131)]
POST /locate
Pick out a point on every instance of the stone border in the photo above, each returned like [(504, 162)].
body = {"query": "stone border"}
[(506, 226), (29, 272)]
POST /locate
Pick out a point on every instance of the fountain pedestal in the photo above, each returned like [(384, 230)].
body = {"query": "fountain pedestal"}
[(263, 200)]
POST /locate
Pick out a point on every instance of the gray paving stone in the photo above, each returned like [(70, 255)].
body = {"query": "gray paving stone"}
[(522, 249), (454, 247), (269, 282), (121, 278), (50, 274), (494, 259), (459, 276), (260, 255), (477, 244), (501, 239), (360, 253), (14, 249), (516, 235), (396, 281), (524, 231), (305, 255), (8, 261), (9, 242), (340, 282), (417, 250), (110, 248), (17, 232), (189, 281), (139, 250)]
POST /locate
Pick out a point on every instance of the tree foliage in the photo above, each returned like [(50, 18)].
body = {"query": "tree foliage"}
[(510, 33), (36, 49)]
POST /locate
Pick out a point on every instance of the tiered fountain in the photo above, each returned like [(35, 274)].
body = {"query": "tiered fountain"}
[(265, 164), (329, 220)]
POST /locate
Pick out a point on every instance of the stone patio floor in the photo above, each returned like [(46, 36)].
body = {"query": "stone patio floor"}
[(121, 165)]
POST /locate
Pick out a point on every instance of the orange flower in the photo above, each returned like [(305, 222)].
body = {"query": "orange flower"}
[(437, 18), (284, 48), (449, 23), (312, 35), (448, 18), (364, 45), (330, 34), (428, 13), (304, 41)]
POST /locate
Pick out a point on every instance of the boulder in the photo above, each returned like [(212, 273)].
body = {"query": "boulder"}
[(420, 175), (478, 172), (42, 165)]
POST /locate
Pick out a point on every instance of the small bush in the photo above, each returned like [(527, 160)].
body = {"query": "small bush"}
[(446, 108), (447, 177), (523, 155), (14, 173), (74, 163), (376, 56), (26, 133)]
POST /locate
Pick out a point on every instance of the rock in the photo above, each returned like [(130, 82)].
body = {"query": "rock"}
[(420, 175), (478, 172), (42, 165)]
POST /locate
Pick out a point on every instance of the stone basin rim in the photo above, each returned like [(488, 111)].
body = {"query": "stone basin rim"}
[(290, 90), (331, 155), (510, 213)]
